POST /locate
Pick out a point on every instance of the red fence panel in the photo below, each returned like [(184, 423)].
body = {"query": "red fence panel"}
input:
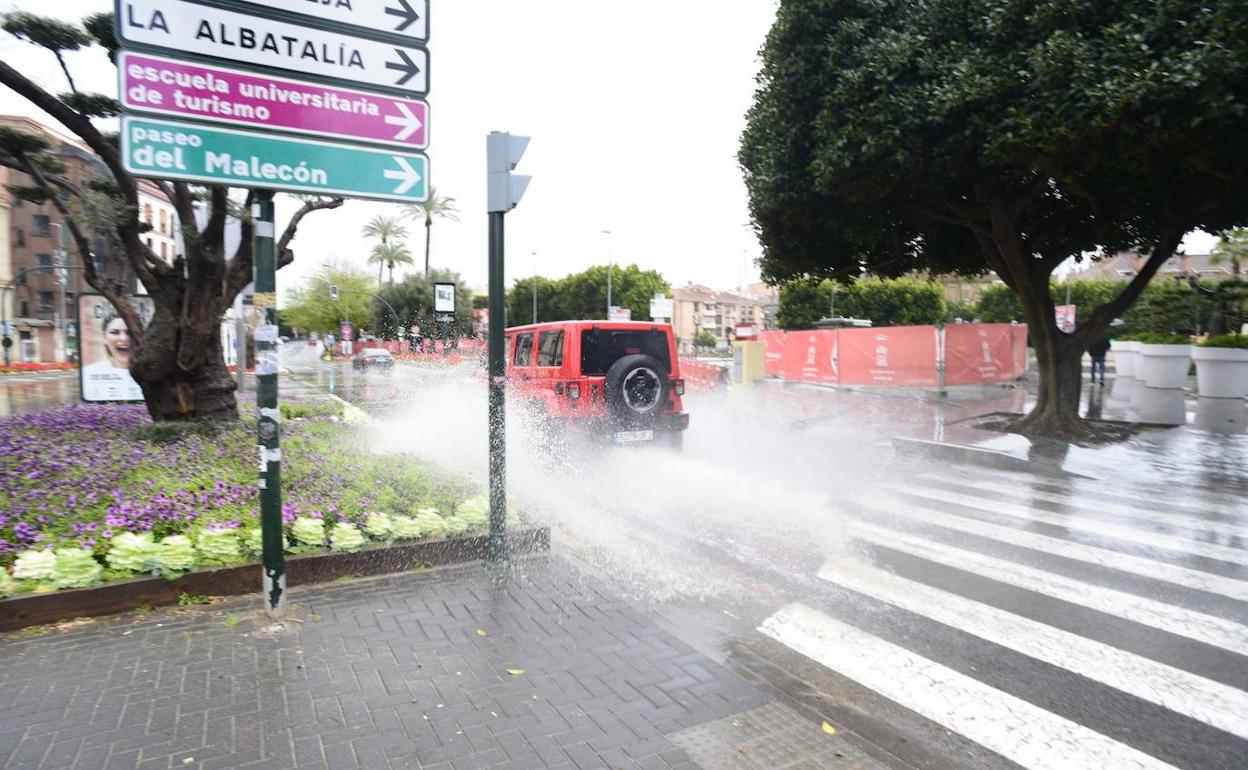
[(773, 342), (810, 356), (1021, 358), (888, 355), (699, 375), (982, 353)]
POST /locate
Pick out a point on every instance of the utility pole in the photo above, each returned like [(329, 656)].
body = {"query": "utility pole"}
[(504, 190), (609, 269), (268, 427)]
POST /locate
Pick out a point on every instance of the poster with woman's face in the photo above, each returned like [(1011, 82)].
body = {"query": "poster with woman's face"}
[(105, 347)]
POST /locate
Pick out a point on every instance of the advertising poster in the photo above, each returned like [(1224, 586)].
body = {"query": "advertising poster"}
[(105, 347), (444, 298)]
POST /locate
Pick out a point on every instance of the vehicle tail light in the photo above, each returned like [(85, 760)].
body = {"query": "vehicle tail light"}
[(678, 386), (574, 390)]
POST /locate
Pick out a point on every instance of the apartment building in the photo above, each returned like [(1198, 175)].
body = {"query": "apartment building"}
[(698, 308)]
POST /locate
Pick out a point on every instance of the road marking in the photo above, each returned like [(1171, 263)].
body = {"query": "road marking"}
[(1205, 700), (1137, 565), (1010, 726), (1069, 521), (1176, 516), (1190, 624)]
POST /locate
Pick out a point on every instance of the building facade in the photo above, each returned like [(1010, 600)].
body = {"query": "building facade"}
[(40, 269), (697, 308)]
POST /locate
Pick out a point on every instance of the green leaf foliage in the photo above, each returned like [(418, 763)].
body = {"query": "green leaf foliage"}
[(412, 299), (584, 295), (309, 308), (884, 302), (92, 105), (44, 31), (1226, 341)]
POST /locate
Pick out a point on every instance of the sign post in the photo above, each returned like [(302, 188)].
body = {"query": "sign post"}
[(255, 88)]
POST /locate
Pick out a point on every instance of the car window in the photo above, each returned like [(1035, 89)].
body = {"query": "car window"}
[(550, 349), (600, 348), (524, 349)]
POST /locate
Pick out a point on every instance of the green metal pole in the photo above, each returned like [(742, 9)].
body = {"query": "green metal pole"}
[(273, 557), (496, 548)]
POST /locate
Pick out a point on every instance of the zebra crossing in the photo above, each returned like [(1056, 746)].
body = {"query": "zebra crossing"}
[(1054, 629)]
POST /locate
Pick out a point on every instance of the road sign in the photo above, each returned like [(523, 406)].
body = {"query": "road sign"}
[(166, 86), (183, 27), (165, 149), (403, 18)]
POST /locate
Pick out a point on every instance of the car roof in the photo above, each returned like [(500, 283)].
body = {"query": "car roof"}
[(600, 324)]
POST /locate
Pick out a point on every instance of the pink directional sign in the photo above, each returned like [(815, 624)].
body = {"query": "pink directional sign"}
[(155, 84)]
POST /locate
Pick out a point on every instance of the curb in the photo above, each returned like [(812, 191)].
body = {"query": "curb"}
[(121, 595)]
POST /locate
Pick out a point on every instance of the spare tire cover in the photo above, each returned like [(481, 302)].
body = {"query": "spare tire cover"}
[(636, 386)]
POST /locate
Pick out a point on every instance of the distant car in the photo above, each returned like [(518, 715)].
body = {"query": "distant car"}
[(373, 358), (619, 380)]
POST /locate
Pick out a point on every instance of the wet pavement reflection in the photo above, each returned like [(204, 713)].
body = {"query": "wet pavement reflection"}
[(30, 393)]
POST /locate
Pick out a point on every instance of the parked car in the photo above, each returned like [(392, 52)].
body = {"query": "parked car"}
[(619, 380), (372, 358)]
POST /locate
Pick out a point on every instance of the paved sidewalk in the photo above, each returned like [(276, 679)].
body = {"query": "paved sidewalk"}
[(448, 669)]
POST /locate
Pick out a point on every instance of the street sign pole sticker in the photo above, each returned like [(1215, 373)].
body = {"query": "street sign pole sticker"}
[(165, 149), (182, 27)]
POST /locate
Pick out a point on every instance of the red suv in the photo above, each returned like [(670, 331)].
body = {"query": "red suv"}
[(618, 378)]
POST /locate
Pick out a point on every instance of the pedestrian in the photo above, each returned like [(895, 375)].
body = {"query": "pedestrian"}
[(1097, 350)]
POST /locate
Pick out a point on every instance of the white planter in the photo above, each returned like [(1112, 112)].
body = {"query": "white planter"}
[(1221, 372), (1126, 354), (1221, 415), (1164, 366)]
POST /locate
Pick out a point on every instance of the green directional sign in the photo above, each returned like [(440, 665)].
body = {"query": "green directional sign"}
[(167, 149)]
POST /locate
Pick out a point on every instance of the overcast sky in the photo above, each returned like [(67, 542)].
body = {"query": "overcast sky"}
[(635, 110)]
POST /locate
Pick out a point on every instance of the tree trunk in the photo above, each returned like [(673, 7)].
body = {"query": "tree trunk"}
[(1059, 359), (428, 236), (180, 365)]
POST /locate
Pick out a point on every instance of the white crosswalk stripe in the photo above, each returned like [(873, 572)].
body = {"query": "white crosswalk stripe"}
[(1000, 718), (1176, 620), (1012, 727), (1173, 516), (1180, 691), (1138, 565), (1117, 531)]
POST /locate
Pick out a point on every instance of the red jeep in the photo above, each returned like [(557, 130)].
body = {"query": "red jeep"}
[(619, 378)]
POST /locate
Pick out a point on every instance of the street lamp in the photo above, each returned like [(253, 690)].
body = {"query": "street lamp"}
[(609, 268), (534, 253)]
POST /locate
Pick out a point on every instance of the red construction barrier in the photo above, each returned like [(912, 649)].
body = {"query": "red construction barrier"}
[(810, 356), (773, 341), (982, 353), (699, 375), (888, 355), (1021, 359)]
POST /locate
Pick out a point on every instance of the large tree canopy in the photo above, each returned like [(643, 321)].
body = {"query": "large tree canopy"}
[(964, 135), (583, 295)]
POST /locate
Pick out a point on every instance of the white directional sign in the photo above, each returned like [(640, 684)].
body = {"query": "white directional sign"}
[(405, 18), (184, 27)]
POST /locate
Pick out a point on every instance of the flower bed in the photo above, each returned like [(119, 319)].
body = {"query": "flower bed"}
[(25, 367), (93, 493)]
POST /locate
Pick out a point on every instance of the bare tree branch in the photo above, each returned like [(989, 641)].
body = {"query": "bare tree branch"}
[(284, 255)]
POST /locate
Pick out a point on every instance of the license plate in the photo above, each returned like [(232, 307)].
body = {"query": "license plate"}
[(632, 436)]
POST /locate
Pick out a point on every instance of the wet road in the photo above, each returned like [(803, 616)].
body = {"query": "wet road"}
[(36, 391), (950, 617)]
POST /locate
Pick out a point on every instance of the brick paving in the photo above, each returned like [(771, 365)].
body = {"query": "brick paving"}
[(450, 669)]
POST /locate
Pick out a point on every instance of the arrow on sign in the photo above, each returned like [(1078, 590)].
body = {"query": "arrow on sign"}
[(406, 12), (409, 122), (408, 67), (406, 173)]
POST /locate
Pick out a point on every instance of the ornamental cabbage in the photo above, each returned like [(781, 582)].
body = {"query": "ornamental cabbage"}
[(217, 546), (176, 554), (431, 524), (7, 584), (253, 541), (378, 525), (75, 568), (34, 565), (128, 552), (345, 537), (406, 527), (309, 531)]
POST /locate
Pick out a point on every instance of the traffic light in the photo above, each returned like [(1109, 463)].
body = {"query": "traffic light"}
[(504, 189), (333, 292)]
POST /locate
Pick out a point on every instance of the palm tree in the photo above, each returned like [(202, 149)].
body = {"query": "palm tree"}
[(436, 206), (389, 255), (387, 229)]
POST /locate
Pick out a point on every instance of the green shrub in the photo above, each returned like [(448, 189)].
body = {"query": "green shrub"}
[(884, 302), (1162, 338), (300, 411), (1226, 341)]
